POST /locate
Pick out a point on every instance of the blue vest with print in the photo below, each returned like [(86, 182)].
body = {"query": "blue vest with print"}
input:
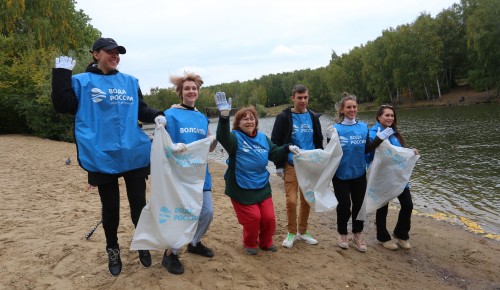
[(252, 156), (373, 133), (186, 126), (302, 133), (107, 134), (353, 141)]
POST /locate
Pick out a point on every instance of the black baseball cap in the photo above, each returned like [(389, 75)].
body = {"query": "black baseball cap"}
[(107, 44)]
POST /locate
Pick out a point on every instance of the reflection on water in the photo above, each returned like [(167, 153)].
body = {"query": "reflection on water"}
[(458, 174)]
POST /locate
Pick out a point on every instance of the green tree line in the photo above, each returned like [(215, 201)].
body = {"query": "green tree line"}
[(415, 61)]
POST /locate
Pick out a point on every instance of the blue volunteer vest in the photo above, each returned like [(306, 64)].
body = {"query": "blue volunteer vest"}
[(392, 139), (373, 133), (302, 133), (353, 141), (252, 156), (186, 126), (106, 131)]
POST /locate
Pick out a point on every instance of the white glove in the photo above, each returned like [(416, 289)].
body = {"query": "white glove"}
[(385, 134), (330, 132), (161, 121), (294, 149), (223, 106), (211, 138), (280, 172), (179, 147), (65, 62)]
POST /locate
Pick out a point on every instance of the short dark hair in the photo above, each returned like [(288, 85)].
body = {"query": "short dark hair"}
[(299, 88)]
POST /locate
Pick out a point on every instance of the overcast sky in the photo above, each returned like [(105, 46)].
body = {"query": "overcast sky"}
[(230, 40)]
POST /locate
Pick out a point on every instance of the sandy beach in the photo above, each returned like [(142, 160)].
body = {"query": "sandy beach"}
[(46, 211)]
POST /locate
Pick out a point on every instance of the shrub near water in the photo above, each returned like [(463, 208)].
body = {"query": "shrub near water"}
[(261, 110)]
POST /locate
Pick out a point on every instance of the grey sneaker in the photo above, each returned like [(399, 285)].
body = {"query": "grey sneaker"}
[(251, 251), (272, 248)]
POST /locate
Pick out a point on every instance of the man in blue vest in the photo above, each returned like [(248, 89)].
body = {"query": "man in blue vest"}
[(299, 126), (107, 105)]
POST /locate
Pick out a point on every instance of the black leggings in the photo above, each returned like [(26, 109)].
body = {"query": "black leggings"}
[(345, 191), (404, 219), (110, 200)]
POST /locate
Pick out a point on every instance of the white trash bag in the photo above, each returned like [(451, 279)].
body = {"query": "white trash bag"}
[(315, 170), (387, 176), (170, 218)]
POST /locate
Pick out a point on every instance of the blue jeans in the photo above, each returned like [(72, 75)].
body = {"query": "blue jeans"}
[(205, 219)]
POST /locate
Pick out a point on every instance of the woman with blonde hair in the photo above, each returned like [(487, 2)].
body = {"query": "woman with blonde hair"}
[(349, 181), (185, 124)]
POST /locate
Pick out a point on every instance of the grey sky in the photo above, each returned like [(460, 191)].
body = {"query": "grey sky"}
[(229, 40)]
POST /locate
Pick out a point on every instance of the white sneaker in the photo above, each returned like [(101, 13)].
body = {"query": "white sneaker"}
[(307, 238), (359, 242), (289, 240), (404, 244), (343, 243), (390, 245)]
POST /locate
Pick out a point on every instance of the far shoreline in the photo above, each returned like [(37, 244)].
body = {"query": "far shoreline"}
[(461, 96)]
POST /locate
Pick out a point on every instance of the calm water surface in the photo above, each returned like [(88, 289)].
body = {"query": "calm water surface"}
[(458, 174)]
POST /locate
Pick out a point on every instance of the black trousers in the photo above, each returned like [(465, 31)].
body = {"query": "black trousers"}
[(110, 200), (404, 219), (345, 192)]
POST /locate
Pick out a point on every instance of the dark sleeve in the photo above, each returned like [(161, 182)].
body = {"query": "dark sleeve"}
[(318, 134), (371, 145), (278, 154), (147, 114), (63, 97), (278, 133), (224, 136)]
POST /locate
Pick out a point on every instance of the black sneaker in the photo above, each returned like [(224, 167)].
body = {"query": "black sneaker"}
[(145, 258), (200, 249), (115, 263), (172, 263)]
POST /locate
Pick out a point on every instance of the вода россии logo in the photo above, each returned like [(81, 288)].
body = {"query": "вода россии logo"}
[(97, 95), (343, 140)]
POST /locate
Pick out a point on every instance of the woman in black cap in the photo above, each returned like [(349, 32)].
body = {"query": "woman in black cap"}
[(107, 105)]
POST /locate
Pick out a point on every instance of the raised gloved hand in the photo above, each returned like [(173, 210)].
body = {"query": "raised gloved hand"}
[(223, 105), (161, 120), (385, 134), (280, 172), (330, 132), (179, 147), (294, 149), (65, 62)]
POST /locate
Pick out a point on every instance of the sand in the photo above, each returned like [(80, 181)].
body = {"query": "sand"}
[(46, 211)]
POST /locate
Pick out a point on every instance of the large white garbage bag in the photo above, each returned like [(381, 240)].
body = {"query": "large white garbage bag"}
[(315, 170), (170, 218), (387, 176)]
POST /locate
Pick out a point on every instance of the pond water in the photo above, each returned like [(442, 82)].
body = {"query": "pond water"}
[(457, 177)]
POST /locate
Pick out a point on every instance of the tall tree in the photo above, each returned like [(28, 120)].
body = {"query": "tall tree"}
[(32, 33), (483, 40)]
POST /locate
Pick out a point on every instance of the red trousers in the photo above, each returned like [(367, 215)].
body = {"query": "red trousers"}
[(258, 221)]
